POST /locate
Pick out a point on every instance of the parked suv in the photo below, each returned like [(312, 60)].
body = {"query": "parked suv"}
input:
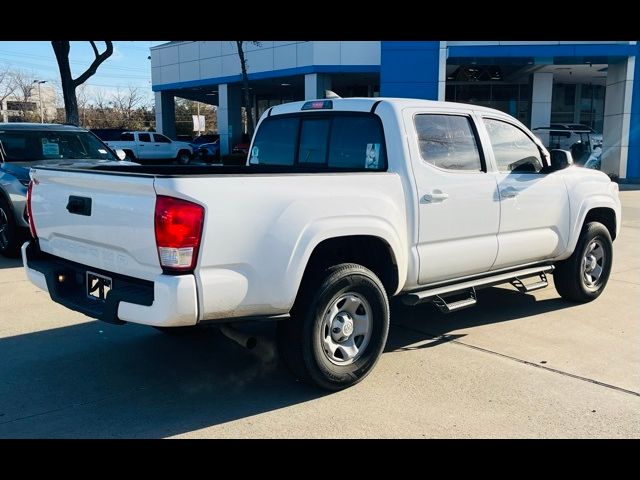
[(24, 145)]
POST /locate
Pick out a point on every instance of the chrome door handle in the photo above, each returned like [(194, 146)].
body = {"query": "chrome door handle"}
[(435, 197), (509, 192)]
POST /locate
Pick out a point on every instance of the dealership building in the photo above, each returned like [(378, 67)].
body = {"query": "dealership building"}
[(540, 83)]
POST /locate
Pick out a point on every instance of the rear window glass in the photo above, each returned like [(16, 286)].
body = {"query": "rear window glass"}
[(357, 142), (313, 141), (275, 142), (338, 141)]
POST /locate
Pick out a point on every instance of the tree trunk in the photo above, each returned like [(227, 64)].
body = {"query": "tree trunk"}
[(245, 82), (69, 84), (61, 49)]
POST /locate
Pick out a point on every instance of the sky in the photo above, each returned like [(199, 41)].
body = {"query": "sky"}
[(128, 66)]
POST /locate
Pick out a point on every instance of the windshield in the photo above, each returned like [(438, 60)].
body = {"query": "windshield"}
[(34, 145)]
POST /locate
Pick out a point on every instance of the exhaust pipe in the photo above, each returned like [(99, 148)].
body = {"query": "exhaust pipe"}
[(243, 339)]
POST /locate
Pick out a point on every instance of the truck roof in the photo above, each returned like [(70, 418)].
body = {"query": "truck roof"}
[(364, 104)]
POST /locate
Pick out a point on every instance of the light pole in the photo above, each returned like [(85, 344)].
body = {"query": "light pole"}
[(40, 82)]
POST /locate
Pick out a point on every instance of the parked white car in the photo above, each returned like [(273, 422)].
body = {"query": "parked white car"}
[(343, 204), (149, 147)]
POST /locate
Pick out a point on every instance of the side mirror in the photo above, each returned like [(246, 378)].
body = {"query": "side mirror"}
[(560, 159), (120, 154)]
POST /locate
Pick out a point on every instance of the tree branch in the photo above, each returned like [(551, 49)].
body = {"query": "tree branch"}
[(95, 49), (100, 57)]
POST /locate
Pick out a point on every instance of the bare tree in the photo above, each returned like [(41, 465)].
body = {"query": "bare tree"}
[(69, 84), (82, 100), (24, 90), (127, 103), (7, 87), (245, 82)]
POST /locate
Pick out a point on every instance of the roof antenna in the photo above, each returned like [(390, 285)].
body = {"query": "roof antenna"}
[(331, 94)]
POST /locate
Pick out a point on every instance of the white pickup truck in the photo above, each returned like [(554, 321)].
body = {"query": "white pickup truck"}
[(343, 204), (149, 147)]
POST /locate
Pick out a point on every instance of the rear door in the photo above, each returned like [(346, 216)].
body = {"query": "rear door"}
[(102, 220), (534, 219), (457, 207), (146, 148)]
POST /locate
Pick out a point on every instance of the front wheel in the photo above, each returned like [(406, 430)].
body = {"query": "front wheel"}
[(582, 277), (183, 157), (338, 328)]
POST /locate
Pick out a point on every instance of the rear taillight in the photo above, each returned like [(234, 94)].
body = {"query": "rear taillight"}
[(32, 225), (178, 226)]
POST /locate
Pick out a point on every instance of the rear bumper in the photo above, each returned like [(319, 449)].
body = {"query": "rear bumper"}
[(168, 301)]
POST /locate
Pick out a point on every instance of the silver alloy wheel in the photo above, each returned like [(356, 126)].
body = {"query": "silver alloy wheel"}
[(593, 263), (345, 330), (4, 229)]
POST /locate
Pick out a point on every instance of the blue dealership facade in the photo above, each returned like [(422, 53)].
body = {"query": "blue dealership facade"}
[(596, 84)]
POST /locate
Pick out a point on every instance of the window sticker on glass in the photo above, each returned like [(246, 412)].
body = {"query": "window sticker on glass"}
[(50, 149), (255, 151), (373, 156), (102, 151)]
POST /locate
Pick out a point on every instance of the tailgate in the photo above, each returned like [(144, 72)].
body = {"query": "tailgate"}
[(101, 220)]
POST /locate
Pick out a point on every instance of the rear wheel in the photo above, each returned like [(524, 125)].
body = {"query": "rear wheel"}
[(338, 328), (11, 235), (583, 276)]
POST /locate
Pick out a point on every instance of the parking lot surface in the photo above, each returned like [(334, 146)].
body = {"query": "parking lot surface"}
[(514, 366)]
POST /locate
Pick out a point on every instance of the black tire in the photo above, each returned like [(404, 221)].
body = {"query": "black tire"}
[(569, 275), (11, 235), (300, 338), (130, 156), (183, 157)]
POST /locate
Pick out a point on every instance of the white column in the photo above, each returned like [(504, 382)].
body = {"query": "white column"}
[(541, 99), (229, 116), (442, 72), (617, 117), (315, 85)]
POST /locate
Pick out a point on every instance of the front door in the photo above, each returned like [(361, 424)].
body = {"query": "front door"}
[(162, 146), (457, 199), (534, 220)]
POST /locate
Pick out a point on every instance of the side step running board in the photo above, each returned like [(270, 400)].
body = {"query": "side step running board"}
[(531, 287), (445, 307), (514, 277)]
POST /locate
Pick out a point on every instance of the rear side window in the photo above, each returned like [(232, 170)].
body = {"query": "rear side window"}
[(126, 137), (144, 137), (448, 141), (331, 141), (275, 142)]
